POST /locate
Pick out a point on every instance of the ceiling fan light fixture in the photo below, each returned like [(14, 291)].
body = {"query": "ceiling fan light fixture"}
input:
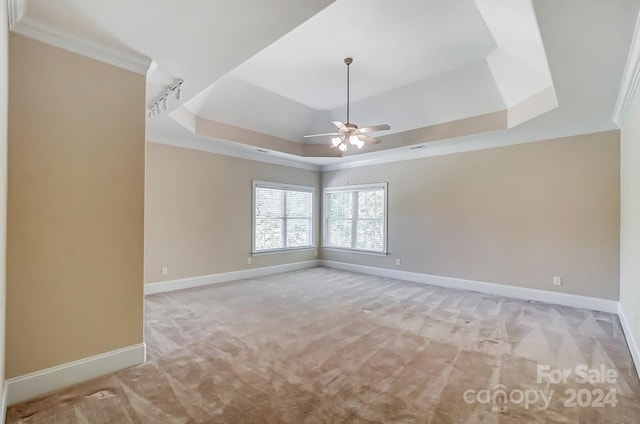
[(359, 143), (343, 147), (353, 140), (335, 141)]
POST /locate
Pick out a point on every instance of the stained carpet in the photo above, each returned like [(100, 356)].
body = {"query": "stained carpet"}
[(327, 346)]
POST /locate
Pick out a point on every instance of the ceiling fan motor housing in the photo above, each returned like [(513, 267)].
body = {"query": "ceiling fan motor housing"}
[(351, 127)]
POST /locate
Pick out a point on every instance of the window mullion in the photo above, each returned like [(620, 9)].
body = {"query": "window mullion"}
[(284, 220), (354, 221)]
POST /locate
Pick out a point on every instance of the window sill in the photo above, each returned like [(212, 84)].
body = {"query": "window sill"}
[(358, 251), (277, 251)]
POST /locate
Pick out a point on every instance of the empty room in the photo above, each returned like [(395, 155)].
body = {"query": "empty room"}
[(323, 211)]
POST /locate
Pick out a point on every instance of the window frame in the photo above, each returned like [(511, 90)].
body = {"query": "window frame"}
[(355, 189), (284, 187)]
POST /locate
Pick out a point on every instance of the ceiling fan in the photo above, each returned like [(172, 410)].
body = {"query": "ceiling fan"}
[(349, 133)]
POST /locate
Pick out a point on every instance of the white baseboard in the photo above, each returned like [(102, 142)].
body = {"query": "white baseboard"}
[(565, 299), (631, 340), (3, 403), (38, 383), (223, 277)]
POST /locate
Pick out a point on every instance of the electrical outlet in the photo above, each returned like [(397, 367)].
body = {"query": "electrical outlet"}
[(398, 262), (164, 270), (557, 281), (248, 261)]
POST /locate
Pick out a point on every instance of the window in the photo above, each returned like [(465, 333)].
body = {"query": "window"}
[(355, 218), (282, 217)]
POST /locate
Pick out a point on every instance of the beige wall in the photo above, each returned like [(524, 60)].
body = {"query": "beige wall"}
[(198, 212), (514, 215), (4, 53), (75, 207), (630, 218)]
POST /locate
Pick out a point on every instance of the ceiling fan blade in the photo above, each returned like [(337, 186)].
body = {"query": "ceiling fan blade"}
[(340, 125), (321, 135), (368, 139), (373, 128)]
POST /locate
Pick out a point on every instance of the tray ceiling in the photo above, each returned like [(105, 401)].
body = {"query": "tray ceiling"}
[(261, 75)]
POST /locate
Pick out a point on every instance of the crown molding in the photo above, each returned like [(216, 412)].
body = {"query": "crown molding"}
[(630, 77), (219, 147), (463, 144), (16, 10), (39, 31)]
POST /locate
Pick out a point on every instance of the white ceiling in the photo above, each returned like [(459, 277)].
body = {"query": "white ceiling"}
[(394, 44), (551, 67)]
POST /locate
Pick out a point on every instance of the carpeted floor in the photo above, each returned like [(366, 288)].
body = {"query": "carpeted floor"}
[(326, 346)]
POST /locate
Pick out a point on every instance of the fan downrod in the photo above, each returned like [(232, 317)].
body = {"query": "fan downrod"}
[(348, 61)]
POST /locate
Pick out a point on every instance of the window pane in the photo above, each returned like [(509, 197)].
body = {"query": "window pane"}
[(269, 203), (371, 204), (299, 204), (298, 232), (369, 235), (340, 204), (283, 217), (360, 209), (339, 232), (268, 234)]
